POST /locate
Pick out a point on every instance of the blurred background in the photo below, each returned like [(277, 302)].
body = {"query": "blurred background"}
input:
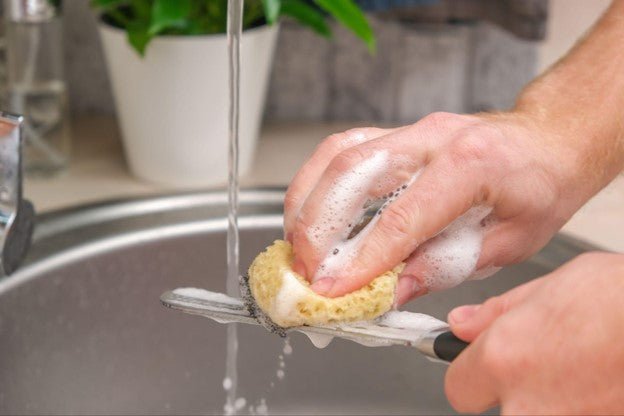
[(127, 135)]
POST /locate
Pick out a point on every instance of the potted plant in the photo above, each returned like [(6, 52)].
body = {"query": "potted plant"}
[(167, 61)]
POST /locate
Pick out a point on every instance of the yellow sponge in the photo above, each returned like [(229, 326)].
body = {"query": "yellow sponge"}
[(286, 298)]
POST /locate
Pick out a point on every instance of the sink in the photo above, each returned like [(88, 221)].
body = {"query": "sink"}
[(82, 329)]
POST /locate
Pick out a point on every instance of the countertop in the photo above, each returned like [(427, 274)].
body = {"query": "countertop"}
[(98, 172)]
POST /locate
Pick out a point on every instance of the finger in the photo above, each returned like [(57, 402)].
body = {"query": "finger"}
[(468, 386), (447, 259), (468, 321), (507, 243), (338, 202), (324, 221), (309, 174), (439, 195)]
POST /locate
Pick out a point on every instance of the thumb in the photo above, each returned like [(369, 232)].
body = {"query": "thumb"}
[(468, 321)]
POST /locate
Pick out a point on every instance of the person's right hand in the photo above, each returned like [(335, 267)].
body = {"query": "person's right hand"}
[(519, 167), (550, 346)]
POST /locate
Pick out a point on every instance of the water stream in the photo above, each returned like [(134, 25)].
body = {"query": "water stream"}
[(233, 403)]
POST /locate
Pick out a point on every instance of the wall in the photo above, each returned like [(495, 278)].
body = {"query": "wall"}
[(568, 21), (418, 69)]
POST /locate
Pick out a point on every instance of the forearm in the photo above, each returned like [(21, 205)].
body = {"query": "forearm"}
[(579, 103)]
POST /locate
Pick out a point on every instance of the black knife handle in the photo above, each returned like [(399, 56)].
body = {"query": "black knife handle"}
[(447, 346)]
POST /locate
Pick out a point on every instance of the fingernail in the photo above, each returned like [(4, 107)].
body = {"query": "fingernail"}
[(462, 313), (323, 286)]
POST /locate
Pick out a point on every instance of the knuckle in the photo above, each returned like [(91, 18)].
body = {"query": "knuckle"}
[(471, 147), (496, 305), (437, 119), (332, 142), (291, 202), (397, 220), (358, 132), (346, 160)]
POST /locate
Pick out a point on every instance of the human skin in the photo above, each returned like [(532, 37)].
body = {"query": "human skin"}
[(535, 165), (551, 346)]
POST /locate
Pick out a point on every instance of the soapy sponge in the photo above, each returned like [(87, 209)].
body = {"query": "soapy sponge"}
[(286, 298)]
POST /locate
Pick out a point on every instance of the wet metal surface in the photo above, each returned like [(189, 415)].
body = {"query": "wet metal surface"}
[(82, 329)]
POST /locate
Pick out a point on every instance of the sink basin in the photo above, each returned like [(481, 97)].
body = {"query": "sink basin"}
[(82, 329)]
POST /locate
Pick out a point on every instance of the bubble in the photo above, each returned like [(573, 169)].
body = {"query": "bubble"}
[(451, 257)]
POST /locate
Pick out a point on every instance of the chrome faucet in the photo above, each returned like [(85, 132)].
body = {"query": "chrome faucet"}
[(17, 215)]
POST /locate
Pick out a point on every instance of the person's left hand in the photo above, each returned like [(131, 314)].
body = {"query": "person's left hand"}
[(551, 346)]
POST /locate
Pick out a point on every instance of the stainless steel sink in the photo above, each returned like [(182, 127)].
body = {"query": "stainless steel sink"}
[(82, 329)]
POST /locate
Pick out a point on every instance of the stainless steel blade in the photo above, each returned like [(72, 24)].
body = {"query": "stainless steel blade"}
[(224, 309)]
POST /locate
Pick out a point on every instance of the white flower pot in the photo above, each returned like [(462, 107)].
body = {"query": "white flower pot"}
[(173, 103)]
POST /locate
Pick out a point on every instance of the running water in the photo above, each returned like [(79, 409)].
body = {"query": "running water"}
[(234, 28)]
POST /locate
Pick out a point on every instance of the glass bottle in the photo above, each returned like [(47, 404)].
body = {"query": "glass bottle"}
[(36, 85), (3, 60)]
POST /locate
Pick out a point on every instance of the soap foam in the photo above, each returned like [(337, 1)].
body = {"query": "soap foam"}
[(409, 320), (345, 200), (345, 249), (291, 292), (407, 326), (451, 256)]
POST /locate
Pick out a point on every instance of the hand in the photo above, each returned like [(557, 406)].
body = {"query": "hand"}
[(551, 346), (508, 162)]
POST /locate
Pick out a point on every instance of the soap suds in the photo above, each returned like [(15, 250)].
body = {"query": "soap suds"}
[(291, 292), (452, 255), (409, 320), (344, 201), (346, 248), (397, 325)]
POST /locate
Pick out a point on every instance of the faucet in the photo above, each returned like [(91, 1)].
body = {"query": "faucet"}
[(17, 215)]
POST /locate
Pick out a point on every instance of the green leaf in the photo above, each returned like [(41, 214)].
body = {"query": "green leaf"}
[(350, 15), (142, 9), (106, 4), (254, 12), (271, 10), (306, 15), (167, 14), (139, 36)]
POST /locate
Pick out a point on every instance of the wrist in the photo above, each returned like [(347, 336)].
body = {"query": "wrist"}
[(584, 148)]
